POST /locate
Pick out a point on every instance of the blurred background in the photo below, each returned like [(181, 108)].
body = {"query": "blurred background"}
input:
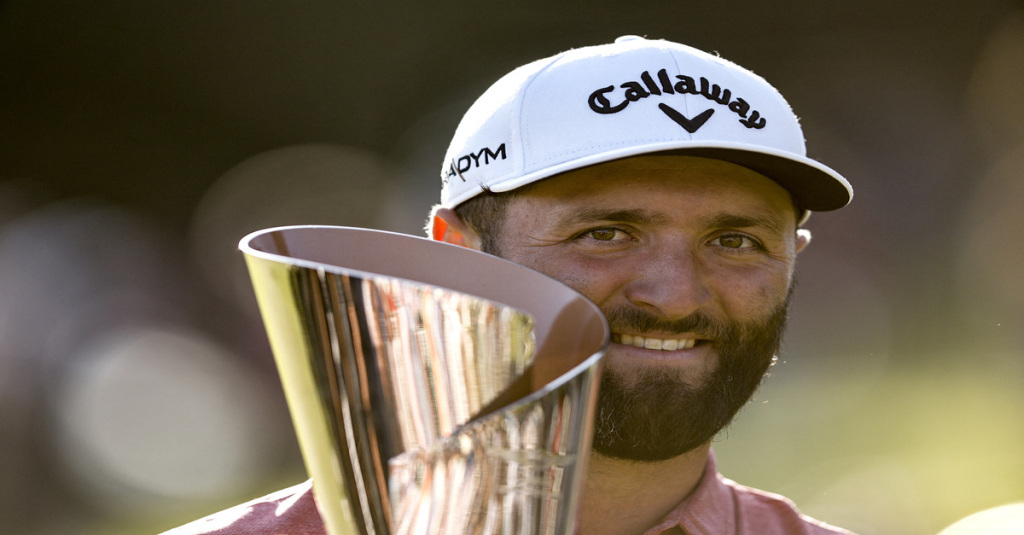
[(139, 141)]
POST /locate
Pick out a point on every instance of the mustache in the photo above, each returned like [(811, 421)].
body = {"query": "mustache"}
[(699, 322)]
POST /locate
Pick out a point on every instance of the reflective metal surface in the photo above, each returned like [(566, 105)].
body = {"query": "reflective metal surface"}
[(433, 389)]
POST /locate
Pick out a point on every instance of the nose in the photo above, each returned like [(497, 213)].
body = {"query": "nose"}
[(670, 282)]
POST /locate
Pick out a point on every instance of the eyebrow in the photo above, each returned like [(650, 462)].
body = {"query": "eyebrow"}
[(726, 220), (635, 216), (639, 216)]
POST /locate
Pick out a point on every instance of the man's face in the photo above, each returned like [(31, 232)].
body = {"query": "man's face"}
[(691, 260)]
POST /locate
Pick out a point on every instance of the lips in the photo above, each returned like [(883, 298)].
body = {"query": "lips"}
[(650, 342)]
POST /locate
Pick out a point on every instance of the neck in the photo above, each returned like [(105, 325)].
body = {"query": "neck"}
[(626, 497)]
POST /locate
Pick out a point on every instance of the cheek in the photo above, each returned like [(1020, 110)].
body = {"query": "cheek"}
[(756, 298), (753, 293), (596, 280)]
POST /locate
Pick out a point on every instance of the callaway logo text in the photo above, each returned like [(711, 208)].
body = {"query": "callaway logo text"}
[(601, 100)]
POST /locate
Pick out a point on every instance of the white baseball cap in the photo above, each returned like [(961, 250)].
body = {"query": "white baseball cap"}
[(634, 96)]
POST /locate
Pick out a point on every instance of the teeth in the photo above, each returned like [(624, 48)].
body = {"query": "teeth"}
[(656, 343)]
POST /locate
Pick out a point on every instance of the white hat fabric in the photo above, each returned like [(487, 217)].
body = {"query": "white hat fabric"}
[(634, 96)]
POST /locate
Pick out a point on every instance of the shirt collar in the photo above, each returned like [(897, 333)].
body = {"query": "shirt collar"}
[(708, 510)]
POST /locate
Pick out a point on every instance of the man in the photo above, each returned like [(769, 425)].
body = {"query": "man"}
[(666, 185)]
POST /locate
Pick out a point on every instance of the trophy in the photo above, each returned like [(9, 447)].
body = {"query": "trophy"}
[(434, 389)]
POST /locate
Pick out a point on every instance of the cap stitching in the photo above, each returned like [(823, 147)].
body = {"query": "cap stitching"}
[(524, 128)]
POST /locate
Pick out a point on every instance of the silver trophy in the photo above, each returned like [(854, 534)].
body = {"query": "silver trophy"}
[(433, 389)]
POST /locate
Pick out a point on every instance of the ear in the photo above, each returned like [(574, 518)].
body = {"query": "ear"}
[(803, 238), (447, 226)]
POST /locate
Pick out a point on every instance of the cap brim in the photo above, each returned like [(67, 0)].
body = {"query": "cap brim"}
[(814, 186)]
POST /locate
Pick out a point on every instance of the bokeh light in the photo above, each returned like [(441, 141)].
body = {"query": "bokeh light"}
[(1002, 520), (317, 184), (151, 414)]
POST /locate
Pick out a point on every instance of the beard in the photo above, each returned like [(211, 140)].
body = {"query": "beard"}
[(657, 415)]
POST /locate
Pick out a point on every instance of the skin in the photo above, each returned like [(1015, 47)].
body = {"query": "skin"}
[(670, 235)]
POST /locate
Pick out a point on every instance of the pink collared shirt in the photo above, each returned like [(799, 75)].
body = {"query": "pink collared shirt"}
[(719, 506)]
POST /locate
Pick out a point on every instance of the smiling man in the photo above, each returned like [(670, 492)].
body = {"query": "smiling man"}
[(690, 259), (668, 186)]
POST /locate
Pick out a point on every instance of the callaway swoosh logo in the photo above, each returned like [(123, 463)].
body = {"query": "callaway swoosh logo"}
[(690, 125)]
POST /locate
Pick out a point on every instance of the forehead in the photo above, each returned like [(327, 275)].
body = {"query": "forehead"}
[(672, 182)]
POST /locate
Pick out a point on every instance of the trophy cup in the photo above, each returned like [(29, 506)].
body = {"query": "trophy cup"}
[(433, 389)]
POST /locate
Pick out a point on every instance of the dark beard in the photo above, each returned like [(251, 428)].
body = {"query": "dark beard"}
[(657, 417)]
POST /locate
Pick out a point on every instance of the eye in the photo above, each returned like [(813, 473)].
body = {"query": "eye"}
[(605, 234), (736, 241)]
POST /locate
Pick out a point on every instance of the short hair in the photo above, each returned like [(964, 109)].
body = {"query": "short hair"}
[(484, 214)]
